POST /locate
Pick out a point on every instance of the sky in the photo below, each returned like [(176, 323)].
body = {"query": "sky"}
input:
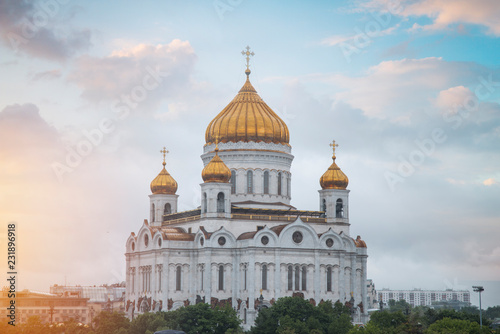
[(91, 91)]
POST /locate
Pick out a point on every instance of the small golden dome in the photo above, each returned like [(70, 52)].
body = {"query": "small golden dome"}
[(247, 118), (334, 178), (216, 170), (164, 183)]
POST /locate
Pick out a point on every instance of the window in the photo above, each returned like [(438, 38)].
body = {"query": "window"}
[(279, 183), (132, 273), (159, 280), (339, 210), (323, 205), (266, 182), (202, 272), (204, 202), (233, 182), (245, 277), (264, 277), (249, 182), (221, 277), (152, 212), (220, 202), (304, 278), (178, 272), (297, 278), (168, 209), (329, 279)]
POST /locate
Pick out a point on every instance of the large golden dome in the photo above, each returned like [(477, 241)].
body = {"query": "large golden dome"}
[(216, 170), (164, 183), (247, 118), (334, 178)]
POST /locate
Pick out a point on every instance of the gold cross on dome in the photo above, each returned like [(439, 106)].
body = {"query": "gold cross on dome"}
[(164, 151), (217, 138), (247, 53), (333, 145)]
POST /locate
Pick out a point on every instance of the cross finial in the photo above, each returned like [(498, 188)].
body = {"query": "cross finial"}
[(333, 145), (247, 53), (217, 137), (164, 151)]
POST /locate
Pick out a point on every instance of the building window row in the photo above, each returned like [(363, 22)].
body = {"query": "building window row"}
[(297, 278), (250, 189)]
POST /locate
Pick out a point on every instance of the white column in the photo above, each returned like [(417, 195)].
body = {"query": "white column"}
[(342, 292), (277, 274), (317, 278)]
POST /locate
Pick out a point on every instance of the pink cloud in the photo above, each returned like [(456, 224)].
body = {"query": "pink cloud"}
[(393, 90), (445, 13), (109, 78), (490, 182), (451, 99)]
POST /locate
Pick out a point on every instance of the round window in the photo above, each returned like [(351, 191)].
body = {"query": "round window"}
[(264, 240), (202, 241), (222, 241), (297, 237), (146, 240), (329, 242)]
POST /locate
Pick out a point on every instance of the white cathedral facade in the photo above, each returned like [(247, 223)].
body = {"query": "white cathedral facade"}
[(246, 245)]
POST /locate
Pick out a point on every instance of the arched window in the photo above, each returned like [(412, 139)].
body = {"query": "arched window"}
[(290, 278), (279, 183), (221, 277), (266, 182), (297, 278), (233, 182), (178, 276), (152, 212), (204, 202), (168, 209), (220, 202), (304, 278), (249, 182), (329, 279), (264, 277), (339, 209)]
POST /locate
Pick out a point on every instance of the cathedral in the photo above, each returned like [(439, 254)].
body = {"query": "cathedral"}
[(246, 245)]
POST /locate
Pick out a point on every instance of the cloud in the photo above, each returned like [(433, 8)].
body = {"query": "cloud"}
[(393, 90), (444, 13), (24, 134), (451, 99), (146, 74), (34, 28), (47, 75), (490, 182)]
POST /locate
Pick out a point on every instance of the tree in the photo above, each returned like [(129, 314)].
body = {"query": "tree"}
[(388, 320), (147, 322), (299, 316), (400, 305), (201, 318), (455, 326), (492, 312), (110, 323)]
